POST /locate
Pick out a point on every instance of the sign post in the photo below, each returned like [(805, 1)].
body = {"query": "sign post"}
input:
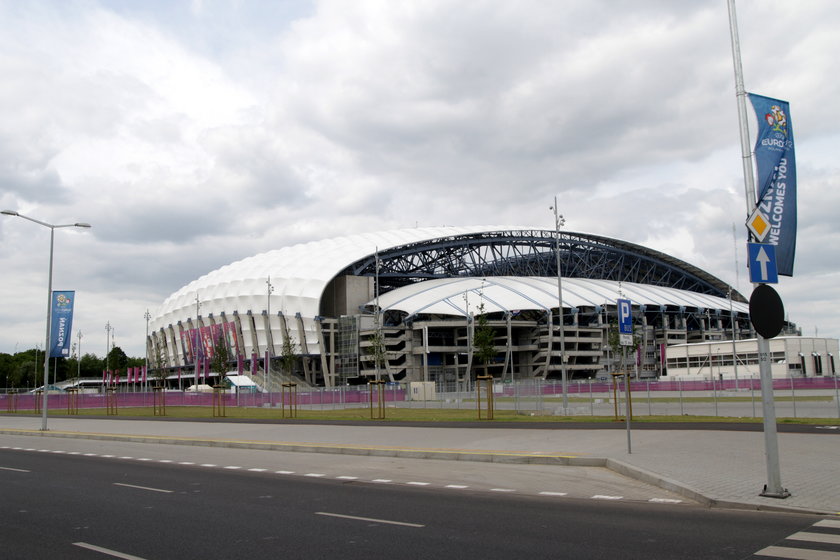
[(625, 334)]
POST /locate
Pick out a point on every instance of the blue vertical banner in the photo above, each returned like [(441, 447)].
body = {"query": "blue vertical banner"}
[(776, 167), (61, 322)]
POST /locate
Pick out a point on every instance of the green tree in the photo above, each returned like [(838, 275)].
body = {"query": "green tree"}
[(376, 350), (157, 360), (484, 340), (91, 366), (221, 357), (117, 360), (288, 355)]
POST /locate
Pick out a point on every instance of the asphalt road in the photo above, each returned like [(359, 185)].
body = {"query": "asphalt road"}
[(58, 505)]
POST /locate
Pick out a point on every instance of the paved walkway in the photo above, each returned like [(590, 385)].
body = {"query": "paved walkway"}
[(714, 467)]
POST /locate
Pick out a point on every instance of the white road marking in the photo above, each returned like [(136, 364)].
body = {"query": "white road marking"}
[(143, 488), (126, 457), (382, 480), (418, 483), (107, 551), (208, 465), (347, 477), (257, 470), (456, 486), (502, 490), (828, 523), (664, 501), (11, 469), (603, 497), (284, 472), (58, 451), (797, 553), (144, 459), (314, 475), (91, 454), (369, 519), (554, 494), (186, 463), (815, 537), (233, 468), (164, 460)]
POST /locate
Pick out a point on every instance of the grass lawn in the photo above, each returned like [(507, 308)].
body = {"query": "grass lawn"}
[(416, 415)]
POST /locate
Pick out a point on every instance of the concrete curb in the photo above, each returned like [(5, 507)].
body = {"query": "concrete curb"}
[(482, 456)]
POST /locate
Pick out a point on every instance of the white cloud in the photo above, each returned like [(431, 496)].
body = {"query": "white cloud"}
[(193, 134)]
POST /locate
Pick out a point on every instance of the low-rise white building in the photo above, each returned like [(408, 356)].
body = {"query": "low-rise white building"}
[(790, 356)]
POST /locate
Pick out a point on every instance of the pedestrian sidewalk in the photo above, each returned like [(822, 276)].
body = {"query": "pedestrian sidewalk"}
[(725, 468)]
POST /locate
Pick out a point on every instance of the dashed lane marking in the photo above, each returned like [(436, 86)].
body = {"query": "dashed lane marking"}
[(107, 551), (341, 477), (369, 519), (143, 488)]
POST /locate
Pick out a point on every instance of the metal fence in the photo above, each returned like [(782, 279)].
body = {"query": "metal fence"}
[(794, 398)]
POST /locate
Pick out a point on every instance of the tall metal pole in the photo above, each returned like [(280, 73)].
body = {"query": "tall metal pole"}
[(146, 316), (197, 342), (377, 351), (559, 221), (268, 340), (79, 361), (49, 301), (773, 488), (49, 325), (107, 350)]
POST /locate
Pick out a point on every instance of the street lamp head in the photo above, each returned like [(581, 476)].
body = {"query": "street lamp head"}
[(82, 225), (9, 212)]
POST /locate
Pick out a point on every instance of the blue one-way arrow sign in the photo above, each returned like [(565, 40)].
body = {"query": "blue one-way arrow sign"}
[(762, 263)]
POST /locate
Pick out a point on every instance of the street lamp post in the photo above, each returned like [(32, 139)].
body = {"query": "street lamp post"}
[(79, 361), (559, 220), (146, 316), (52, 227), (269, 341)]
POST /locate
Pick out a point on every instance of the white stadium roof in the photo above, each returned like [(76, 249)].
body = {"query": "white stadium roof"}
[(299, 275), (460, 296)]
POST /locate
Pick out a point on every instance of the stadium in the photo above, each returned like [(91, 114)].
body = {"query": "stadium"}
[(405, 306)]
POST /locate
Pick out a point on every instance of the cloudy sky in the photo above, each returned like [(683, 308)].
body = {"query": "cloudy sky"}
[(193, 134)]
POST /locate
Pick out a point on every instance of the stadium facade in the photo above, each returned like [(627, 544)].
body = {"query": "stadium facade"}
[(412, 298)]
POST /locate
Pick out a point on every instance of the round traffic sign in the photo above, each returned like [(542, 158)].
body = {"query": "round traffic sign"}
[(767, 312)]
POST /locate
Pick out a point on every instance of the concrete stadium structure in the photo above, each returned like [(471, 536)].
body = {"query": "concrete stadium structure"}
[(415, 295)]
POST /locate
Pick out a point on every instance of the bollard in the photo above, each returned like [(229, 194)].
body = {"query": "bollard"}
[(73, 401), (218, 401), (379, 387), (487, 382), (111, 401), (292, 387), (11, 401), (158, 401)]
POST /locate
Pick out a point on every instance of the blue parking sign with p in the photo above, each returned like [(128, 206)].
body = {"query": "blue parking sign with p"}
[(625, 317), (625, 322)]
